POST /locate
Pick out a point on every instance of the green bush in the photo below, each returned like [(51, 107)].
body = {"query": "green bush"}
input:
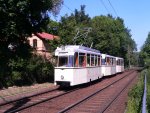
[(27, 71), (40, 70)]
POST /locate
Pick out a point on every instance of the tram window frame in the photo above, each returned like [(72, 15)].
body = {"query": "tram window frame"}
[(63, 64), (114, 61), (76, 59), (82, 60), (70, 61), (96, 60), (92, 60), (88, 60), (99, 60), (103, 61), (107, 61), (111, 61), (118, 62)]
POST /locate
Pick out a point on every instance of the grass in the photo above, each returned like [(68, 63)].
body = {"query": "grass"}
[(134, 104), (148, 91)]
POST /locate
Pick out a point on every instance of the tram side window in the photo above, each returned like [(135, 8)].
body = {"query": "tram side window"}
[(71, 61), (92, 60), (118, 62), (108, 61), (76, 60), (103, 61), (88, 60), (114, 61), (82, 59), (96, 62), (63, 61), (99, 60)]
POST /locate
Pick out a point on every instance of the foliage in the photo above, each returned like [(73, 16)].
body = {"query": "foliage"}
[(52, 27), (54, 44), (109, 35), (145, 52), (18, 20), (24, 72), (69, 24), (135, 96)]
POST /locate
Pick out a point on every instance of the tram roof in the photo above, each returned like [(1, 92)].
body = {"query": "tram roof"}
[(105, 55), (76, 48), (119, 58)]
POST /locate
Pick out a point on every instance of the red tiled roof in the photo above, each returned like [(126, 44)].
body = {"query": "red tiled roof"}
[(46, 36)]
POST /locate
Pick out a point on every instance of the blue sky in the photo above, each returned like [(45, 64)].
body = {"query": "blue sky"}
[(135, 14)]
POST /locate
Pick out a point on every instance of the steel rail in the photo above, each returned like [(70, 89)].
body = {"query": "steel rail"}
[(117, 95), (22, 98), (39, 102), (91, 95), (44, 100)]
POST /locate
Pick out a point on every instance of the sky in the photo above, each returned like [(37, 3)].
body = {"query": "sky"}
[(135, 14)]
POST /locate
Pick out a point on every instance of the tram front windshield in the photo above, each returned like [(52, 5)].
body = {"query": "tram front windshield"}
[(65, 61)]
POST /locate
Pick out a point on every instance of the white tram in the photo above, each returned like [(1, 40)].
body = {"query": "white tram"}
[(77, 65), (108, 65), (119, 64)]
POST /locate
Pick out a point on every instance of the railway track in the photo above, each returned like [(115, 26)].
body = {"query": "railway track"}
[(54, 97), (28, 101), (93, 103)]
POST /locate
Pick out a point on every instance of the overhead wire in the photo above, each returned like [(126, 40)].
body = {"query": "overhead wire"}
[(105, 6), (68, 7), (113, 8)]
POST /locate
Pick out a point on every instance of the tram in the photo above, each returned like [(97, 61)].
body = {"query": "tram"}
[(119, 65), (78, 64), (108, 65)]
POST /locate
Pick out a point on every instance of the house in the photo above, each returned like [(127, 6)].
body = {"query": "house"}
[(39, 41)]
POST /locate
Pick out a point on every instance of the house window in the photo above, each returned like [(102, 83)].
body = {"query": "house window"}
[(34, 43)]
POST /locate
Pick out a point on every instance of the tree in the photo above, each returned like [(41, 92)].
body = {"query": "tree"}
[(53, 27), (145, 52), (110, 36), (18, 20), (69, 25)]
